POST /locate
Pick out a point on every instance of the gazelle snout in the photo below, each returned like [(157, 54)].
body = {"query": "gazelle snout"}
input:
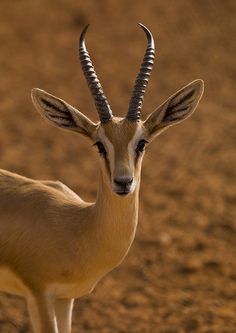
[(123, 184)]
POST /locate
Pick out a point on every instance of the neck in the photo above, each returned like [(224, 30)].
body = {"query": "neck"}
[(112, 205), (116, 218), (116, 212)]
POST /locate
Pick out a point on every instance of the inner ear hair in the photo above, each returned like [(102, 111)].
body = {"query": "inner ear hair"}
[(183, 103), (62, 114), (176, 108), (54, 109)]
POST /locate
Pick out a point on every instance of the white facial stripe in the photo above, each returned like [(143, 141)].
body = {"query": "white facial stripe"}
[(132, 144), (109, 147)]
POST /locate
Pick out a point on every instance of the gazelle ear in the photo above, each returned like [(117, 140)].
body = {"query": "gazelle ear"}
[(177, 108), (62, 114)]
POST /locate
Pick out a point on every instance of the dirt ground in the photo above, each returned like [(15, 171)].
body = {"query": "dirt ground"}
[(180, 275)]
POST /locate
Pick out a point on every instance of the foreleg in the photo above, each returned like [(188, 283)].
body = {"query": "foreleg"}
[(42, 313), (63, 308)]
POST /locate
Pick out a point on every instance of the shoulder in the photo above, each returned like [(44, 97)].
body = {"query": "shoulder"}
[(62, 188)]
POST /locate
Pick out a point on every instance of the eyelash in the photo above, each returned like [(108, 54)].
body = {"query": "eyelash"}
[(140, 146), (101, 148)]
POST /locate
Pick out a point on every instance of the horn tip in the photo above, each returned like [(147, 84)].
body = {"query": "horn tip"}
[(148, 33), (143, 27), (141, 24), (82, 36)]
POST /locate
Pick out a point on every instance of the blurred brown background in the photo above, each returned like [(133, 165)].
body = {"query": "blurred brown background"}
[(180, 274)]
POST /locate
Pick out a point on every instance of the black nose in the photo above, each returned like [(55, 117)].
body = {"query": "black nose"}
[(123, 181)]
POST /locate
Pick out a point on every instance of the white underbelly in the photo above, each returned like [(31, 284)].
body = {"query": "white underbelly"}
[(11, 283)]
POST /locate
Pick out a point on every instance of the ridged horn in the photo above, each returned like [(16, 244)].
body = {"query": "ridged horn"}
[(142, 78), (101, 103)]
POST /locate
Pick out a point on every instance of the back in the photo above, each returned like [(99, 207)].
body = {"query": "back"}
[(26, 203)]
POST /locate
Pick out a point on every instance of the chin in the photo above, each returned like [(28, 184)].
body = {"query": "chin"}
[(122, 194)]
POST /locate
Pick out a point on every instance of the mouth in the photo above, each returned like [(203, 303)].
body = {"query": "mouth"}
[(123, 193)]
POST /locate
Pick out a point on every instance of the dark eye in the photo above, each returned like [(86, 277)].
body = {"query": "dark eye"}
[(140, 146), (101, 148)]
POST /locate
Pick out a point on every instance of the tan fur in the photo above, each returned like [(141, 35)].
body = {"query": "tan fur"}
[(54, 246), (120, 138), (61, 218), (53, 242)]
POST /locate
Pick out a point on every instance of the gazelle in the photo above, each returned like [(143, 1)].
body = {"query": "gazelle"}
[(54, 246)]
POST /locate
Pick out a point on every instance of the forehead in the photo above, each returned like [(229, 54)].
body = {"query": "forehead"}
[(119, 131)]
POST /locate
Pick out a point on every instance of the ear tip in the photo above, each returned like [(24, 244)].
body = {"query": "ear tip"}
[(35, 92), (198, 86), (199, 83)]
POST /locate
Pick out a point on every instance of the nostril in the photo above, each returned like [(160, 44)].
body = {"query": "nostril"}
[(124, 180)]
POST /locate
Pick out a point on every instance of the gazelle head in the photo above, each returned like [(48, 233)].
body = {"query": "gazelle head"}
[(120, 141)]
